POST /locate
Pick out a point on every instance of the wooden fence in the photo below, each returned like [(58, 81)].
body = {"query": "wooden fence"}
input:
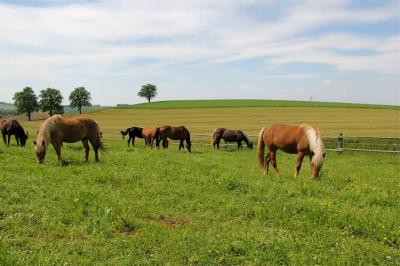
[(339, 143)]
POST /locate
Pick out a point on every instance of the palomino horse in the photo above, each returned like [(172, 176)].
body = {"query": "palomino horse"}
[(174, 133), (230, 136), (56, 130), (149, 134), (12, 127), (303, 140), (134, 132)]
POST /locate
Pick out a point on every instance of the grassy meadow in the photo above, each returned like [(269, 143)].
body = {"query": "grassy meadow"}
[(143, 206), (184, 104)]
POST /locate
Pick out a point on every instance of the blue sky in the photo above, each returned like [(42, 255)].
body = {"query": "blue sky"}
[(329, 50)]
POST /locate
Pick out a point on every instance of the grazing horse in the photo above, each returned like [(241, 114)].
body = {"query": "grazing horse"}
[(56, 129), (12, 127), (133, 132), (149, 135), (174, 133), (303, 140), (230, 136)]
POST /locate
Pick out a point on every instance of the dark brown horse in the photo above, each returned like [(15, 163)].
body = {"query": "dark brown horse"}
[(134, 132), (56, 129), (174, 133), (301, 140), (12, 127), (230, 136)]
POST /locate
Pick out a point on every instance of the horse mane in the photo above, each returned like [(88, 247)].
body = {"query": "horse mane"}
[(49, 126), (246, 136), (316, 144)]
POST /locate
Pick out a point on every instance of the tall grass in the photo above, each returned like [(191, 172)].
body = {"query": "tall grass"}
[(142, 206)]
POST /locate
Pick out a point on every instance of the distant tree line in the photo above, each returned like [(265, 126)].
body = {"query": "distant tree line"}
[(49, 100)]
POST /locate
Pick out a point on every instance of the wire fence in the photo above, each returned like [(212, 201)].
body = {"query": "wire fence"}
[(339, 143)]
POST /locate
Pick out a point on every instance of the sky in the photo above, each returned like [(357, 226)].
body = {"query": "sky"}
[(331, 50)]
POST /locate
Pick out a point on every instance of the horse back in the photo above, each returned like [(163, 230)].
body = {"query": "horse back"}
[(75, 129), (288, 138)]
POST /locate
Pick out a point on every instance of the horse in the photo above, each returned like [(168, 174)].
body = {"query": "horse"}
[(149, 135), (230, 136), (133, 132), (56, 129), (175, 133), (12, 127), (301, 139)]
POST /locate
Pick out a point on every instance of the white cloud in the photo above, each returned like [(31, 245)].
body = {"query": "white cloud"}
[(327, 82), (106, 38)]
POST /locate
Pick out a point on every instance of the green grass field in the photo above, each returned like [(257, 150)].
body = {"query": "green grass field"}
[(185, 104), (142, 206)]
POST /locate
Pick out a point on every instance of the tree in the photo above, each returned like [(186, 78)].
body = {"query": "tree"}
[(80, 97), (50, 100), (148, 91), (26, 102)]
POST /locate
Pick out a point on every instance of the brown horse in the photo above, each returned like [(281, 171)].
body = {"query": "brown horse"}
[(57, 129), (230, 136), (174, 133), (12, 127), (303, 140), (149, 135)]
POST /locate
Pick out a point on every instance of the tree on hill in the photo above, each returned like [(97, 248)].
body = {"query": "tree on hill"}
[(26, 102), (50, 100), (148, 91), (80, 97)]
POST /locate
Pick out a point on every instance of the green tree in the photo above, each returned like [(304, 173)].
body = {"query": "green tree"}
[(148, 91), (50, 100), (80, 97), (26, 102)]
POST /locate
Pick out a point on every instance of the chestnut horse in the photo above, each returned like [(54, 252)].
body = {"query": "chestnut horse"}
[(303, 140), (174, 133), (12, 127), (149, 135), (230, 136), (56, 129), (133, 132)]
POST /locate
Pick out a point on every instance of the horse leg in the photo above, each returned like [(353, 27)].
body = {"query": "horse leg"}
[(17, 139), (57, 148), (299, 160), (94, 144), (8, 142), (87, 148), (266, 163), (4, 137), (273, 162), (133, 141)]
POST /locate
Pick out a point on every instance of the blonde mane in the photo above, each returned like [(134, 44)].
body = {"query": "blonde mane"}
[(47, 128), (316, 145)]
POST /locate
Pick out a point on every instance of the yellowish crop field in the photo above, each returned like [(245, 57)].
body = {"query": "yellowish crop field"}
[(330, 121)]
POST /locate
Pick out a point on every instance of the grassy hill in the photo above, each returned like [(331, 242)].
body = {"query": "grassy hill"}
[(185, 104)]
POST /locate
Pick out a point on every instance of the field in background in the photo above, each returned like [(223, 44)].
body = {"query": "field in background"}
[(7, 109), (330, 121), (142, 206), (184, 104)]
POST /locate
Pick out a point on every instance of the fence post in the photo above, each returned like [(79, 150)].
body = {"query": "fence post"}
[(340, 143), (394, 146)]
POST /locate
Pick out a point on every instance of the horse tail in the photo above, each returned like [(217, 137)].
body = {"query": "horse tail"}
[(261, 148), (213, 136), (100, 143), (316, 145), (124, 133)]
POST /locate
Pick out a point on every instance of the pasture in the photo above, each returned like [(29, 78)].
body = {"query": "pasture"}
[(142, 206)]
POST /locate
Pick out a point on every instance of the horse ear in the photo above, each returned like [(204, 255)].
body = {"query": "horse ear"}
[(34, 142)]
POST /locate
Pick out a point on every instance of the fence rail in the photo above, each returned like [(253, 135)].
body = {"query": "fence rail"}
[(339, 143)]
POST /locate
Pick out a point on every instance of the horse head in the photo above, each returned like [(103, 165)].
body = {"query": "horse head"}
[(40, 150)]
